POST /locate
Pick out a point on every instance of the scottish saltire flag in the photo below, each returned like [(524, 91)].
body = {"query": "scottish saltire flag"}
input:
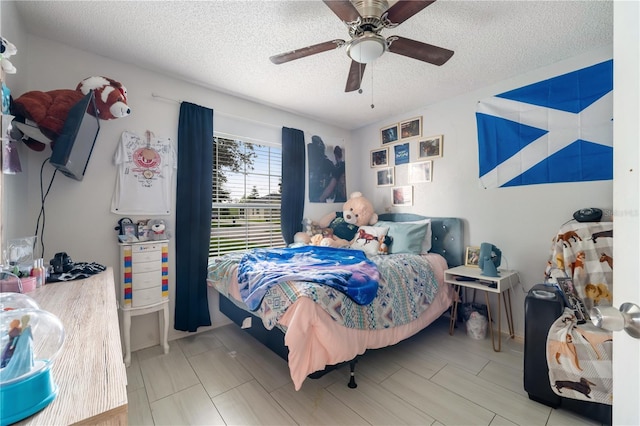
[(556, 130)]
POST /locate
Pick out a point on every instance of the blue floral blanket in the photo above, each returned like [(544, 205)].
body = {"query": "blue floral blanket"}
[(345, 270)]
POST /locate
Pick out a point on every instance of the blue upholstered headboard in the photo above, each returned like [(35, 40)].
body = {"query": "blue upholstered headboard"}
[(447, 235)]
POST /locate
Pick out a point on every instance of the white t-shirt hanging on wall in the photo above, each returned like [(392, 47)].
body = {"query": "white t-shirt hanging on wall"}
[(145, 171)]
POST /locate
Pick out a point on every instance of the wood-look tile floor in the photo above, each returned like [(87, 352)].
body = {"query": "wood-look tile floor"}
[(225, 377)]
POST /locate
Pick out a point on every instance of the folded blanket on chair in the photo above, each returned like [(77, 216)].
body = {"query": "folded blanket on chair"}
[(348, 271), (579, 358)]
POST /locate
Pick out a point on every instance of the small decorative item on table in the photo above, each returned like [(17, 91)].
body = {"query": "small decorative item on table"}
[(30, 339), (127, 230), (472, 256)]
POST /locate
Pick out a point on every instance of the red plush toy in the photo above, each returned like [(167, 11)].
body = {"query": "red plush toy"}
[(40, 116)]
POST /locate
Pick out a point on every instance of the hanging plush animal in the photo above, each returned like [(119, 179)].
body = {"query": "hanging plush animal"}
[(48, 111), (7, 49)]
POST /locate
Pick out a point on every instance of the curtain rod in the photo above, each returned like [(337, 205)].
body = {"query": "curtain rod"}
[(155, 95), (218, 112)]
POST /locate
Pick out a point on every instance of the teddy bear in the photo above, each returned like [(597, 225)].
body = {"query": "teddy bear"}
[(340, 228), (48, 111)]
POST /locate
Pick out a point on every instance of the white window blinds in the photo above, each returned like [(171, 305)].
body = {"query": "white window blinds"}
[(245, 196)]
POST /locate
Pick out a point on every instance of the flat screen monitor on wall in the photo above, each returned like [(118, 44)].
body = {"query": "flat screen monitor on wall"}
[(72, 150)]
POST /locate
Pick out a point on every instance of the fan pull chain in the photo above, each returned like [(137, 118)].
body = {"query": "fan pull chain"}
[(372, 105)]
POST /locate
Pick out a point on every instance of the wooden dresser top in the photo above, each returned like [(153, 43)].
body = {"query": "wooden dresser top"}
[(89, 371)]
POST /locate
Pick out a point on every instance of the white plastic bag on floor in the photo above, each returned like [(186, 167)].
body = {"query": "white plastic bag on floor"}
[(477, 326)]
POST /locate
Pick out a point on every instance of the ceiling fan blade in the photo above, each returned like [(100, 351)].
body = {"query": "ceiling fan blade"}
[(306, 51), (355, 76), (344, 9), (417, 50), (405, 9)]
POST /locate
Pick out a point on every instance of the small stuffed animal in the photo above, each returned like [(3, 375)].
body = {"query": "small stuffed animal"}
[(157, 229), (49, 110), (311, 227), (342, 227), (7, 49)]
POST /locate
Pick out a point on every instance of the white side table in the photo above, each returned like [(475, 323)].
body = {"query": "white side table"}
[(163, 320), (470, 277)]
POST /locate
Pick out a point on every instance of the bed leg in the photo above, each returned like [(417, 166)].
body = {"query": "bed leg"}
[(352, 380)]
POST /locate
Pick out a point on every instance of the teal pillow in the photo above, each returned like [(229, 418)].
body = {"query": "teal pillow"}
[(407, 236)]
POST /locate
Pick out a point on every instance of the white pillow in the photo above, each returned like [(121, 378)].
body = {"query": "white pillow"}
[(368, 239)]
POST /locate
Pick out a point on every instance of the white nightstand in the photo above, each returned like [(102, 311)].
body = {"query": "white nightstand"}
[(144, 287), (470, 277)]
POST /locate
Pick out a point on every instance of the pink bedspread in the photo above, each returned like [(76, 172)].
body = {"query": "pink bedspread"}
[(315, 340)]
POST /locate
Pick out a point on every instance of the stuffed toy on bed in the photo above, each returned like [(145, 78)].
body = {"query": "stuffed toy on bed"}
[(48, 111), (341, 228)]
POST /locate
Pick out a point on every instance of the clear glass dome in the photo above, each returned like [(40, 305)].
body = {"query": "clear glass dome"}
[(30, 340), (10, 301)]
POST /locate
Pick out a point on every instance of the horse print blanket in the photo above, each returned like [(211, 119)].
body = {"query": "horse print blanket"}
[(578, 353), (348, 271)]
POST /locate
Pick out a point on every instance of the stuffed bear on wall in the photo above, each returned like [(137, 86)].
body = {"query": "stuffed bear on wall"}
[(342, 227), (40, 116)]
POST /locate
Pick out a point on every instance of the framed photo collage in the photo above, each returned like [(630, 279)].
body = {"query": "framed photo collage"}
[(402, 144)]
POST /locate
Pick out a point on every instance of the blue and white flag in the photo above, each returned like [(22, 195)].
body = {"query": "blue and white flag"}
[(556, 130)]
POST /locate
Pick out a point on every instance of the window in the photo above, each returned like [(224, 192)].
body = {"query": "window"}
[(246, 195)]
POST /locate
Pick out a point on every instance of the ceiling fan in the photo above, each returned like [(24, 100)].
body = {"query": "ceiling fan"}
[(365, 20)]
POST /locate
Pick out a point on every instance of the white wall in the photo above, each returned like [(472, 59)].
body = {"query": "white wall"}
[(78, 218), (519, 220)]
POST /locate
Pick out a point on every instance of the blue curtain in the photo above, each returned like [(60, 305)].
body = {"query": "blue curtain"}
[(293, 170), (193, 215)]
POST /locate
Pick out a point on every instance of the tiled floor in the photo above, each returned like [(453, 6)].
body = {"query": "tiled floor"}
[(225, 377)]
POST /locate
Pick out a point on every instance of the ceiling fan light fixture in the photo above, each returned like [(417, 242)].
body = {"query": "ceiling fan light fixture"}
[(367, 48)]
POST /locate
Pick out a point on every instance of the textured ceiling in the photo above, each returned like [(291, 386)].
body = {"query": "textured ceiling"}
[(225, 45)]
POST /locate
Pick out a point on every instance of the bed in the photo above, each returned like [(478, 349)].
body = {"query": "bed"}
[(316, 328)]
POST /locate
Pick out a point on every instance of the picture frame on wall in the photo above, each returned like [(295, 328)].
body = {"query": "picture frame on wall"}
[(385, 177), (430, 147), (472, 256), (380, 157), (421, 171), (401, 153), (402, 195), (389, 134), (411, 128)]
